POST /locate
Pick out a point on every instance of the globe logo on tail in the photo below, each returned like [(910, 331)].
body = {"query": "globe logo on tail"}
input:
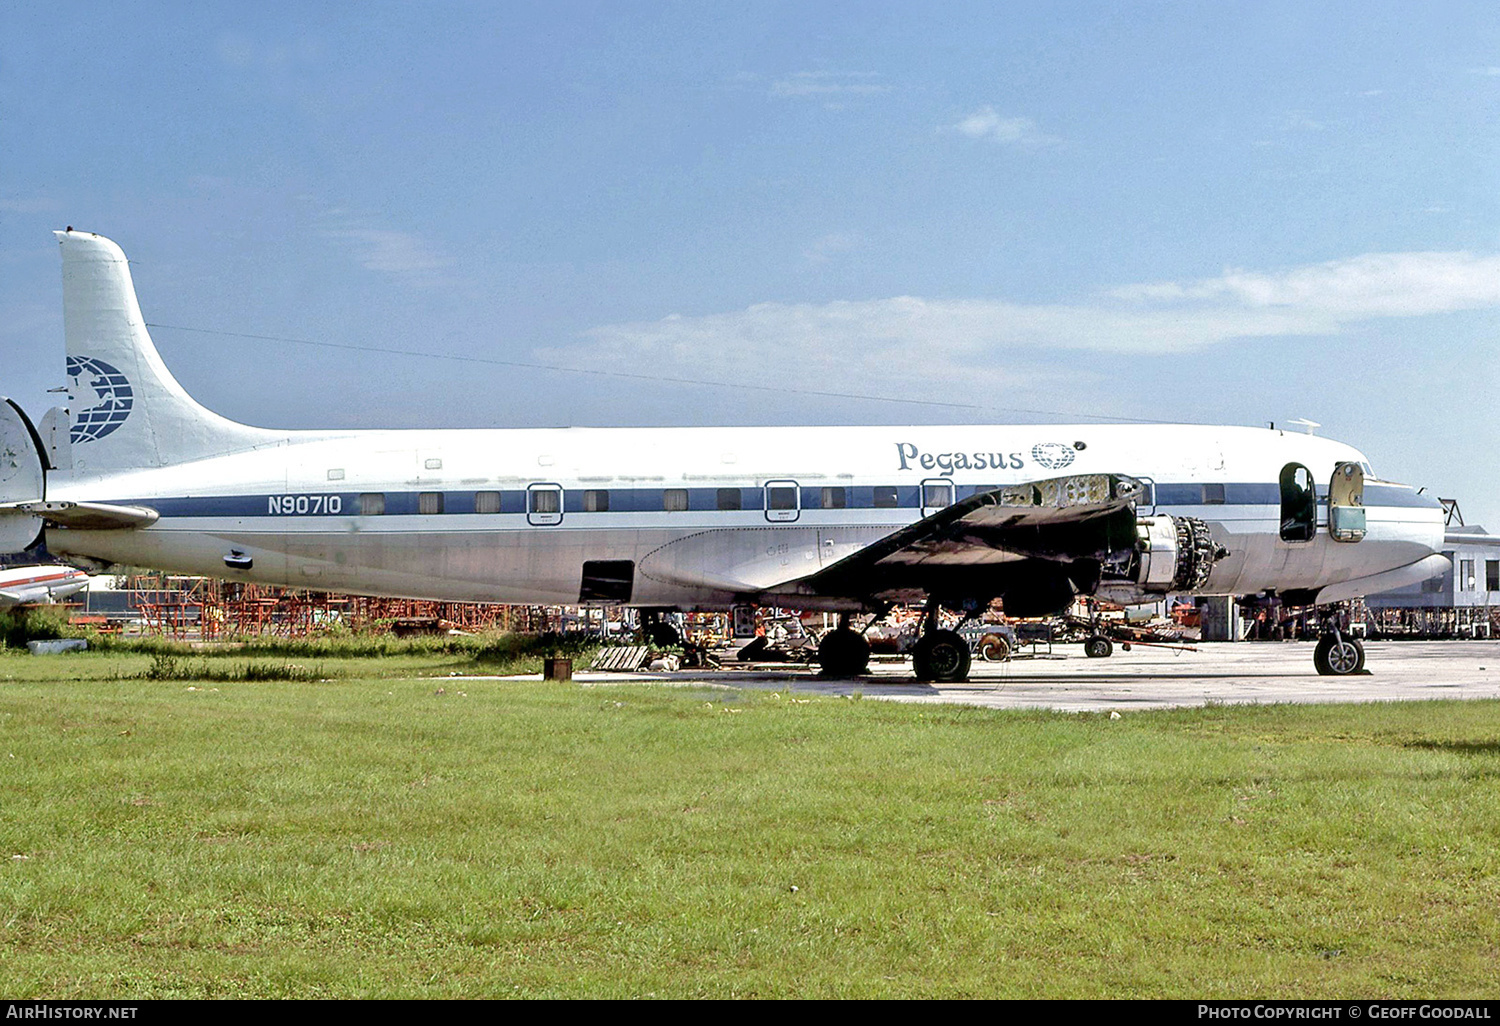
[(112, 395)]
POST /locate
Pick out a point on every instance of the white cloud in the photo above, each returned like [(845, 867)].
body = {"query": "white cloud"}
[(392, 252), (826, 84), (986, 123), (824, 248), (933, 345), (29, 204), (1359, 288), (1299, 121)]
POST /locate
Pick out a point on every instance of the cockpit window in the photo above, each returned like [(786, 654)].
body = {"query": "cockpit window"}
[(1299, 504)]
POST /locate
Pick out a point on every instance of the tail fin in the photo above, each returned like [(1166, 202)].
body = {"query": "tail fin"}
[(128, 410)]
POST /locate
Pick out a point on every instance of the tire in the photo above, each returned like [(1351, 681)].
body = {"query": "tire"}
[(942, 656), (1098, 647), (843, 653), (663, 635), (994, 649), (1339, 657), (752, 651)]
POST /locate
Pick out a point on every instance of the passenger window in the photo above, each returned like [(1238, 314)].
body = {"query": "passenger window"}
[(936, 496), (544, 505), (372, 504), (885, 497), (674, 500), (1213, 495), (834, 498), (486, 502), (596, 500), (781, 502), (429, 503), (729, 498), (1299, 504)]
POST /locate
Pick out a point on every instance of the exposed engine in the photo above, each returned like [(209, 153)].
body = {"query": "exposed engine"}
[(1171, 554)]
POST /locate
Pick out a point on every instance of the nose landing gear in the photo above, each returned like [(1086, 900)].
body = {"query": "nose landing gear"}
[(1338, 654)]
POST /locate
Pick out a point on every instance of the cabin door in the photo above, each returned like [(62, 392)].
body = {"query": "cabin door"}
[(1346, 503)]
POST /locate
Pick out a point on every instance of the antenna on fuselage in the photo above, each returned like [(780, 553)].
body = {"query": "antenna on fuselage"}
[(1307, 425)]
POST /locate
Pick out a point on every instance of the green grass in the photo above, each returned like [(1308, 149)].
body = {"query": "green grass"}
[(488, 652), (379, 837)]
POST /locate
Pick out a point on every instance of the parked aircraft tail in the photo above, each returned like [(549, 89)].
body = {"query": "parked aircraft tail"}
[(128, 411)]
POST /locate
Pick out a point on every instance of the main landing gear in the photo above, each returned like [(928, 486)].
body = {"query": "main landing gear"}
[(657, 631), (940, 655)]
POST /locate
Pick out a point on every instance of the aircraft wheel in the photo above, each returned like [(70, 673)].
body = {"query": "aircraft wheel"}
[(941, 656), (663, 635), (994, 649), (1338, 656), (843, 653), (752, 650), (1098, 647)]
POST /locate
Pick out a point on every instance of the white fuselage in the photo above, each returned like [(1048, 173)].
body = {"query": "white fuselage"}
[(458, 515)]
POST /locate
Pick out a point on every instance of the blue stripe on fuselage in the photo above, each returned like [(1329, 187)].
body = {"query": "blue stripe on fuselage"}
[(650, 500)]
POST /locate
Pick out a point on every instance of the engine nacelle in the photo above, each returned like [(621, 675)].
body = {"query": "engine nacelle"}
[(1171, 554)]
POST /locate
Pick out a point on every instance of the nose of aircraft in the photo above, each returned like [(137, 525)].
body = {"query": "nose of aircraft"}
[(1402, 545)]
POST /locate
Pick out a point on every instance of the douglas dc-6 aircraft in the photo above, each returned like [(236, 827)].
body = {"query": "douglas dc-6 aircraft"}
[(839, 519)]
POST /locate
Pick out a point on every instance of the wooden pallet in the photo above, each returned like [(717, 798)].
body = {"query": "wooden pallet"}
[(631, 657)]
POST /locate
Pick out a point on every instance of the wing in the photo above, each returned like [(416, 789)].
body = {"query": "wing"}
[(1036, 545), (1060, 521)]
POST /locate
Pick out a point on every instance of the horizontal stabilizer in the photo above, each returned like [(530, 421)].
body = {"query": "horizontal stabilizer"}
[(22, 478), (87, 516)]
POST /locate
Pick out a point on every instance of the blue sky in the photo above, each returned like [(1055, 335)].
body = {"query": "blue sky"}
[(1214, 213)]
